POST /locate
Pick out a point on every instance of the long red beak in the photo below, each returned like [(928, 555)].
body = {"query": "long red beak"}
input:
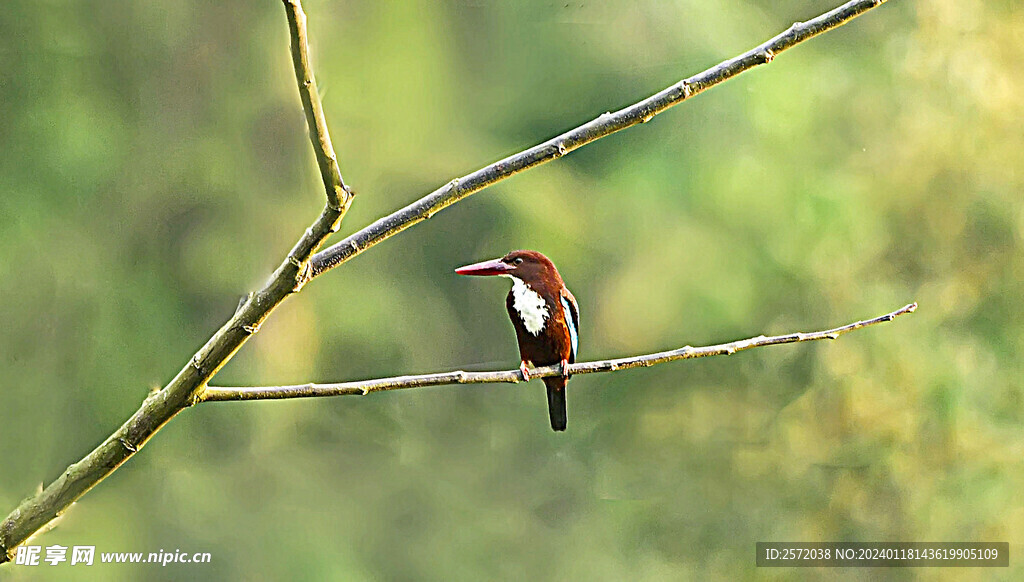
[(493, 267)]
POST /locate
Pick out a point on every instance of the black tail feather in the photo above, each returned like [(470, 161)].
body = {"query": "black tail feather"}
[(556, 401)]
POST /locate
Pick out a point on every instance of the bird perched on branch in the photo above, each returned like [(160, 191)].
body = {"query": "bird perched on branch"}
[(545, 317)]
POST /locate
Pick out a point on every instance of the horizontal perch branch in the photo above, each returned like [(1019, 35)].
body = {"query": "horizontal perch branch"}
[(222, 394), (604, 125)]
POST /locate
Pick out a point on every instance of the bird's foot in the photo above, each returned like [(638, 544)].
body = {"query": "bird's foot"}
[(565, 369), (524, 371)]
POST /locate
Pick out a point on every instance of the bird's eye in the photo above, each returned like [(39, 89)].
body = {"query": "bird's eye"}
[(518, 260)]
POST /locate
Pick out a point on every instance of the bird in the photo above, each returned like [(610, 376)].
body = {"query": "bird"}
[(545, 316)]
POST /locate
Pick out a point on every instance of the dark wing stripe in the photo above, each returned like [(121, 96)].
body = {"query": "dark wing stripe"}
[(569, 308)]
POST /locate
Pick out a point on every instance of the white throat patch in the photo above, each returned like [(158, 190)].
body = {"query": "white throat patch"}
[(528, 303)]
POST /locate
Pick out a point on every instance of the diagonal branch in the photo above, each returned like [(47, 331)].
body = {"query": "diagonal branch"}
[(361, 388), (606, 124), (187, 386)]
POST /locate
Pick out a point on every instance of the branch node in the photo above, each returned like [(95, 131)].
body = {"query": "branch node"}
[(560, 149), (195, 362), (767, 55), (687, 90), (251, 329), (338, 202), (127, 445), (196, 397), (242, 301), (339, 208), (303, 276)]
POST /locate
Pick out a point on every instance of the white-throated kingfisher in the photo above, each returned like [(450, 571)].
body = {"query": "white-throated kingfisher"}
[(545, 316)]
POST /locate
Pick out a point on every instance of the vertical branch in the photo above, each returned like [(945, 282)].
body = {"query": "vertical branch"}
[(338, 194)]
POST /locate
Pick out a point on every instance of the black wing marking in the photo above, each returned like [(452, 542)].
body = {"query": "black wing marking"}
[(572, 320)]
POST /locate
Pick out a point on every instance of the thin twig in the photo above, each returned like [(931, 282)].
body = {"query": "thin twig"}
[(557, 147), (186, 387), (338, 194), (361, 388)]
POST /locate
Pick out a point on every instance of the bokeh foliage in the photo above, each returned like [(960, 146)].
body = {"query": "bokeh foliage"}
[(155, 168)]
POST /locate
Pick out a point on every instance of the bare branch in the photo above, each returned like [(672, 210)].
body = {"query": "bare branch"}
[(606, 124), (186, 387), (361, 388), (301, 264), (338, 194)]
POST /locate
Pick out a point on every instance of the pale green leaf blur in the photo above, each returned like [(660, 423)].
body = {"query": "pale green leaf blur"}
[(155, 167)]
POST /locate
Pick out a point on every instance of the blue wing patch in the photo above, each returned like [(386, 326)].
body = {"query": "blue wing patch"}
[(570, 320)]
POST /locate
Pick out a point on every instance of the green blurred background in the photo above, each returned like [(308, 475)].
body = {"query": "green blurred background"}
[(156, 167)]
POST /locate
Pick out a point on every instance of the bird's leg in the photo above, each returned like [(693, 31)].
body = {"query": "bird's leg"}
[(565, 369), (525, 372)]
